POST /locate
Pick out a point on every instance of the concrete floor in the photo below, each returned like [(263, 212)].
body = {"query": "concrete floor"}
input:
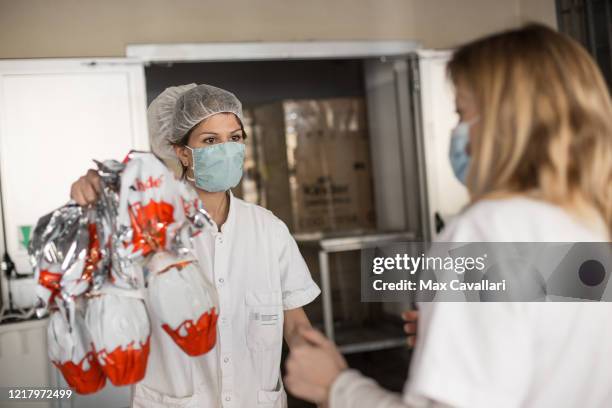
[(388, 367)]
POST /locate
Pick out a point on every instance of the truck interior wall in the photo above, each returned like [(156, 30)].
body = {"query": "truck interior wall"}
[(261, 82)]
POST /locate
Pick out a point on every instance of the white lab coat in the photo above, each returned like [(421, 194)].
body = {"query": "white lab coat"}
[(258, 271), (507, 355)]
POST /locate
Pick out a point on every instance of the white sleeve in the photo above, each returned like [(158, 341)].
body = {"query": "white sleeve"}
[(353, 390), (297, 286), (472, 355)]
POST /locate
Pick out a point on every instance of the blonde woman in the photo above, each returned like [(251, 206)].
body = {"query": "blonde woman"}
[(536, 120)]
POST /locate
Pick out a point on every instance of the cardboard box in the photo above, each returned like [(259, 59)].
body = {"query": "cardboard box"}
[(315, 164)]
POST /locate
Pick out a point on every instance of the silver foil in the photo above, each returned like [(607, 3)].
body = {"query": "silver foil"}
[(61, 241)]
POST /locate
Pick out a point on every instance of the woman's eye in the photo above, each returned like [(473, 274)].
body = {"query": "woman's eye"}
[(237, 138), (209, 140)]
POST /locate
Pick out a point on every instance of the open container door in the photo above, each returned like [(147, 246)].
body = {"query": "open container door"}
[(396, 146), (433, 95), (411, 113), (55, 117)]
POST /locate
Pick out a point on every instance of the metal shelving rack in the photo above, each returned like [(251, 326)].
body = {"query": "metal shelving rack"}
[(350, 339)]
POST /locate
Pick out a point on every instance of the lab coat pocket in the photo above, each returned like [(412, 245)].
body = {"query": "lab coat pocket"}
[(275, 398), (145, 397), (264, 312)]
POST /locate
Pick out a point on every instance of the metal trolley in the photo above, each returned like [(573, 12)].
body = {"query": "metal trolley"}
[(352, 340)]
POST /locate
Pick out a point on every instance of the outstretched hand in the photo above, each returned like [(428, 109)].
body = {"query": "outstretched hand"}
[(312, 367)]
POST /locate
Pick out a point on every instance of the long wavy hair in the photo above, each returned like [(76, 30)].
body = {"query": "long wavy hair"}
[(545, 119)]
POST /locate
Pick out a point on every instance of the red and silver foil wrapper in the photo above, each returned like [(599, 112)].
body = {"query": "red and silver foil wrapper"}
[(93, 262), (194, 212), (184, 302), (64, 250), (71, 351), (150, 205), (159, 216), (120, 331)]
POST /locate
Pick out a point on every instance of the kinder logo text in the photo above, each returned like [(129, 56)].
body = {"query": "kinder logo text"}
[(151, 182)]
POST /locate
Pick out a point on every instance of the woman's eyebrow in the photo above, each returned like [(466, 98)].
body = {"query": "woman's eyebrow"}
[(216, 134)]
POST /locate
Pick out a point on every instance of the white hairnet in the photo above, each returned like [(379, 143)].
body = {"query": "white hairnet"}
[(179, 108)]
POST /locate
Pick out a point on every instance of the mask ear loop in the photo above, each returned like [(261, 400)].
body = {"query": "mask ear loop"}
[(192, 166)]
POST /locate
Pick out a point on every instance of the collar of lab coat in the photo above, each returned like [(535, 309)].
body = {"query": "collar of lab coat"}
[(231, 215)]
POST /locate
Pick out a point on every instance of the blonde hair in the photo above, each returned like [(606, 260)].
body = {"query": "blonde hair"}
[(545, 119)]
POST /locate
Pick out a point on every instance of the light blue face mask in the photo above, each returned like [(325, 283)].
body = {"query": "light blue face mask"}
[(217, 167), (459, 158)]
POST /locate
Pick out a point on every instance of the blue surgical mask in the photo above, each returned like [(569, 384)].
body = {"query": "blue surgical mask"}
[(217, 167), (459, 158)]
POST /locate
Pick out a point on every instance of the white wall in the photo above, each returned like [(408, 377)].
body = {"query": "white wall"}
[(82, 28)]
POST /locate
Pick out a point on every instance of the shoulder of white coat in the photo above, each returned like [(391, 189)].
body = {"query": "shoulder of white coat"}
[(516, 219), (487, 220), (260, 215)]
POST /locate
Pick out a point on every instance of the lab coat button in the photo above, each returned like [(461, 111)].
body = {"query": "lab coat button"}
[(228, 398), (221, 280), (226, 360)]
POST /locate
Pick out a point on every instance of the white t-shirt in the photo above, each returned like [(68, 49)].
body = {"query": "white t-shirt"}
[(259, 272), (503, 354), (514, 354)]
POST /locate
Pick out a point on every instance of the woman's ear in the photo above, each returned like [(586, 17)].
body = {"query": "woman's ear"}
[(183, 155)]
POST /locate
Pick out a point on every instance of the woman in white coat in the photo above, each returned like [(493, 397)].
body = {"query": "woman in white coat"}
[(534, 147), (261, 279)]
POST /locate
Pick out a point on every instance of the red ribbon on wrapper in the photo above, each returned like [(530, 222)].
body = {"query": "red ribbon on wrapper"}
[(149, 223), (50, 281), (94, 255)]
